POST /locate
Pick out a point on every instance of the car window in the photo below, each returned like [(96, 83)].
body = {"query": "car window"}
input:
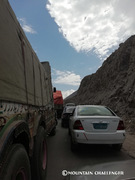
[(93, 111), (70, 109)]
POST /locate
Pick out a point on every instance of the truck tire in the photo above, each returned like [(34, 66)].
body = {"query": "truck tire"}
[(39, 160), (16, 165)]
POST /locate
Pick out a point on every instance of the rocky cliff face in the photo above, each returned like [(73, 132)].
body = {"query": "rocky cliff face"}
[(113, 84)]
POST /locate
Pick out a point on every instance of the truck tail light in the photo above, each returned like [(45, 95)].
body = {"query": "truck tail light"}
[(120, 125), (78, 125)]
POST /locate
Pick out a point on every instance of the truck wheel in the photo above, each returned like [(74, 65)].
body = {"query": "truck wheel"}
[(17, 164), (39, 160)]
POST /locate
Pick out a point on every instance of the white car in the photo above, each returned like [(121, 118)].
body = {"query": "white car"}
[(94, 124)]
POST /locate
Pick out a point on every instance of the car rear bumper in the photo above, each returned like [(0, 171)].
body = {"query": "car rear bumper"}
[(99, 138)]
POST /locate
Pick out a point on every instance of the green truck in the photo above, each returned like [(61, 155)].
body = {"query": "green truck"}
[(27, 114)]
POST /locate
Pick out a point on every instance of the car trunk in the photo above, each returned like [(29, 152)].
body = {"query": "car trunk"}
[(100, 124)]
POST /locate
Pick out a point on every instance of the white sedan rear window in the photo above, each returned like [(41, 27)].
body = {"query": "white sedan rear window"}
[(93, 111)]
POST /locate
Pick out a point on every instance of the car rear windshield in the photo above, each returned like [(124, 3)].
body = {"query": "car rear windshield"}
[(94, 111)]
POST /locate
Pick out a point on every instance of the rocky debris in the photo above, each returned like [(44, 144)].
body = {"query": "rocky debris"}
[(129, 145), (113, 84)]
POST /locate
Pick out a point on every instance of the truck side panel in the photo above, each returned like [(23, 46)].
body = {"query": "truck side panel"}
[(27, 112), (23, 79)]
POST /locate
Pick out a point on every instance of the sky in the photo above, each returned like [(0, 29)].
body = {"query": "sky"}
[(75, 36)]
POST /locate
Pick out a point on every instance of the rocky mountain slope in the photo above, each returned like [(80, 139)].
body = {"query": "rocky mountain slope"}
[(113, 84)]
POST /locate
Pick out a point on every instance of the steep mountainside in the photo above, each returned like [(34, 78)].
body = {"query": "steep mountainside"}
[(113, 84)]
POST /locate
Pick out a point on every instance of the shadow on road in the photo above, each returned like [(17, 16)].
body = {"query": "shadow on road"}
[(94, 150)]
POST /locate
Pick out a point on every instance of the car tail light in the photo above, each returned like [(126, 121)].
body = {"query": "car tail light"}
[(120, 125), (78, 125)]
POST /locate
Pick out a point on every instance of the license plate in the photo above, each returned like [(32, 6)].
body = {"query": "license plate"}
[(100, 125)]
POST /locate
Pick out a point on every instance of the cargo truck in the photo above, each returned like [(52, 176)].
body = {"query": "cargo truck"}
[(27, 114)]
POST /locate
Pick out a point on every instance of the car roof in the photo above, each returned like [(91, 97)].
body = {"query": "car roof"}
[(88, 105), (70, 104)]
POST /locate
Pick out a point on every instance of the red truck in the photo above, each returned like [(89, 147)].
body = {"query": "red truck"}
[(27, 114), (58, 103)]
